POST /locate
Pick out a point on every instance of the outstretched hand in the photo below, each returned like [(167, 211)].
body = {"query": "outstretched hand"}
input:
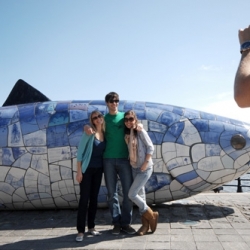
[(88, 130)]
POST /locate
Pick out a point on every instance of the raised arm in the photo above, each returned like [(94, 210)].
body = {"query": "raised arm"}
[(242, 78)]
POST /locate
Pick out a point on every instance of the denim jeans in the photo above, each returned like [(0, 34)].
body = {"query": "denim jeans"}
[(89, 190), (121, 168), (137, 190)]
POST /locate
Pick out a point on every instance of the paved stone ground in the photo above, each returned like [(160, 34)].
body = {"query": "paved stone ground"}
[(206, 221)]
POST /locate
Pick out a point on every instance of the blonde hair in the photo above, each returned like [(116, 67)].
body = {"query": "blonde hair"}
[(91, 122)]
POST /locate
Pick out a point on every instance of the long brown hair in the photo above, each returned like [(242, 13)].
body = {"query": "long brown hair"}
[(132, 113)]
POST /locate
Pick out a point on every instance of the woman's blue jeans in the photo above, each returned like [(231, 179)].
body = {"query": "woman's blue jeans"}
[(137, 191), (114, 168)]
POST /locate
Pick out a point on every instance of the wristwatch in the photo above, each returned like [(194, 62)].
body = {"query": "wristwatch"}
[(245, 46)]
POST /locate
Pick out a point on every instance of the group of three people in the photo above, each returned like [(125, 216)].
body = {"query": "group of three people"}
[(118, 146), (104, 147)]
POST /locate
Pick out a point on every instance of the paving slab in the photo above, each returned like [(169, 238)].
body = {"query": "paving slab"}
[(205, 221)]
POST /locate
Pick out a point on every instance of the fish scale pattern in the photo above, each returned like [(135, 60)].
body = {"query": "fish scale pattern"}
[(194, 152)]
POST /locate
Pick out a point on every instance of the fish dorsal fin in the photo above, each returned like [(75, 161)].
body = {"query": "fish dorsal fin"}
[(23, 93)]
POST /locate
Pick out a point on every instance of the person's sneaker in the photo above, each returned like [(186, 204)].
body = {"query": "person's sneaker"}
[(79, 237), (93, 232), (116, 229), (128, 229)]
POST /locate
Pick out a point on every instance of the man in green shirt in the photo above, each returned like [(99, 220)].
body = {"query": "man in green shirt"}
[(116, 163)]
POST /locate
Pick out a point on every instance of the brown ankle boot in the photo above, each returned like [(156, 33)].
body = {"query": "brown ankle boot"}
[(152, 218), (144, 228)]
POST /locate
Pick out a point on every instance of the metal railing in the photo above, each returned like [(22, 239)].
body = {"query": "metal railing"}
[(239, 185)]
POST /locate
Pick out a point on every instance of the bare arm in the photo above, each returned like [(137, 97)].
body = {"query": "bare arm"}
[(242, 78)]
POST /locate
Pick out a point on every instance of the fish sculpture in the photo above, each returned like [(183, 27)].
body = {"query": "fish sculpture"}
[(194, 151)]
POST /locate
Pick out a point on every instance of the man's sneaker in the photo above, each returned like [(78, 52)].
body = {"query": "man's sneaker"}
[(128, 229), (116, 229)]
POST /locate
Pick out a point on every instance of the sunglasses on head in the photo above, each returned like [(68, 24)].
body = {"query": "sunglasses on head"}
[(96, 117), (112, 101), (130, 119)]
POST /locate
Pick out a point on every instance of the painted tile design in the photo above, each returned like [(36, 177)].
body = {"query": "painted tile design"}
[(194, 152)]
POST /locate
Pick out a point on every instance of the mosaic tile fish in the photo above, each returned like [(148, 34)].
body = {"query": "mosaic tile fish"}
[(194, 151)]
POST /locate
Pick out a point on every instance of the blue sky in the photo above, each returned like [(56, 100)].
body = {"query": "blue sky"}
[(177, 52)]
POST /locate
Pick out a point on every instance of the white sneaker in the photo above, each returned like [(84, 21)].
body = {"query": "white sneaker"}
[(93, 232), (79, 237)]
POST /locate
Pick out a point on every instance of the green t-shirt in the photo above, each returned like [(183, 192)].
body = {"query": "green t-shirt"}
[(114, 132)]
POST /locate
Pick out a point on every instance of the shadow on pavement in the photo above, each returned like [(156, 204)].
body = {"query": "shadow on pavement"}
[(53, 229)]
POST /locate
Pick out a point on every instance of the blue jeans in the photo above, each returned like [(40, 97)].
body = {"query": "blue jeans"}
[(121, 168), (137, 190)]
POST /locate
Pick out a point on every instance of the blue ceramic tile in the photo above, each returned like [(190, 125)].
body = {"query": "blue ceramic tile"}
[(74, 138), (178, 111), (187, 177), (28, 127), (15, 134), (26, 112), (168, 118), (168, 137), (98, 103), (78, 106), (152, 114), (139, 106), (7, 156), (213, 150), (129, 105), (18, 152), (59, 118), (156, 182), (102, 109), (158, 137), (4, 121), (176, 129), (141, 115), (57, 136), (201, 125), (16, 183), (77, 115), (236, 154), (223, 119), (62, 106), (73, 126), (157, 127), (152, 137), (216, 126), (191, 114), (207, 116), (210, 137), (4, 137), (159, 106), (200, 184)]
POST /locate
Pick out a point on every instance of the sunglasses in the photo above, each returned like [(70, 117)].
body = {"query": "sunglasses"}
[(112, 101), (130, 119), (96, 117)]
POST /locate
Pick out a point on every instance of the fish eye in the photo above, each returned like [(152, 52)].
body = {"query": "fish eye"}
[(238, 142)]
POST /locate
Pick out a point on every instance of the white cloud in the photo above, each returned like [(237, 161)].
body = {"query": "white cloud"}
[(209, 68)]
